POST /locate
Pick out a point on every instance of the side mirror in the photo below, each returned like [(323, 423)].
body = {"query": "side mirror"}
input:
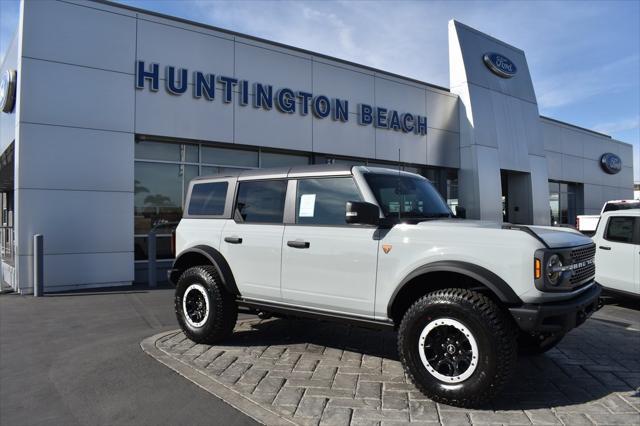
[(362, 213), (461, 212)]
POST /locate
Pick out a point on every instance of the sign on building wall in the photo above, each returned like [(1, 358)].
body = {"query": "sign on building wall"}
[(265, 96), (611, 163), (500, 65)]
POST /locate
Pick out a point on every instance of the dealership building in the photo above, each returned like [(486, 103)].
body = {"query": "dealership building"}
[(109, 111)]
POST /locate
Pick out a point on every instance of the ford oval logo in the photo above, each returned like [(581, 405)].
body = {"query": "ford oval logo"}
[(611, 163), (500, 65)]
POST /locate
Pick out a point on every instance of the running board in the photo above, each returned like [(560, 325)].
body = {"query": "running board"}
[(284, 310)]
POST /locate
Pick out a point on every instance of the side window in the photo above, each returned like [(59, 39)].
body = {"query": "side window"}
[(208, 199), (620, 229), (261, 201), (323, 201)]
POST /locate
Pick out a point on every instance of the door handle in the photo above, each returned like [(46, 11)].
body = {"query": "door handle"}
[(233, 240), (298, 244), (605, 248)]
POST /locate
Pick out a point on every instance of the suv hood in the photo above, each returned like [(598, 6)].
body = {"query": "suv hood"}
[(552, 237)]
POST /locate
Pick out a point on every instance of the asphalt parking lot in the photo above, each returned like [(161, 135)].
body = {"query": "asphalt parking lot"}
[(75, 359)]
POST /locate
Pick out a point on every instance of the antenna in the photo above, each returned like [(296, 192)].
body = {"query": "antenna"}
[(401, 199)]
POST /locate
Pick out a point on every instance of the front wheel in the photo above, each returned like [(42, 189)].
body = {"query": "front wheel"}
[(458, 347), (206, 312)]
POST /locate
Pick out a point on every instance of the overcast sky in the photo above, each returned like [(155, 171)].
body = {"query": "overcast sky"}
[(584, 57)]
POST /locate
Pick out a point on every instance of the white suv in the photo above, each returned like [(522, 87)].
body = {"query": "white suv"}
[(380, 248)]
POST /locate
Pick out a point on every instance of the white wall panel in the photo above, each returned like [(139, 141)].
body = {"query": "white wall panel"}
[(443, 111), (554, 165), (443, 148), (413, 148), (338, 82), (182, 116), (572, 142), (484, 124), (593, 197), (80, 97), (350, 138), (195, 51), (593, 173), (87, 269), (269, 66), (572, 168), (80, 35), (75, 221), (272, 128), (401, 97), (54, 157), (552, 136)]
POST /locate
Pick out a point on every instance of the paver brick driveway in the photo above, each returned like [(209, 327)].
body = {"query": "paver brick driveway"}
[(309, 372)]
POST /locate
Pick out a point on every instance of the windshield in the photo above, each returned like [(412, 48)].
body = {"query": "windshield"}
[(621, 206), (406, 196)]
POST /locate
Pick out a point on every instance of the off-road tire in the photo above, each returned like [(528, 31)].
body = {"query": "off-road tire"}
[(223, 311), (530, 344), (494, 332)]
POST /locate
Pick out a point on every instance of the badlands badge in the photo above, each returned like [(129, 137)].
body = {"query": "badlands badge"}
[(386, 248)]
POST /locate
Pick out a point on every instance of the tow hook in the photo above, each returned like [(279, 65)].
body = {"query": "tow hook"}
[(264, 315)]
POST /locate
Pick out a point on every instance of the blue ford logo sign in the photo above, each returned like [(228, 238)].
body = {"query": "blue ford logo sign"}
[(500, 65), (611, 163)]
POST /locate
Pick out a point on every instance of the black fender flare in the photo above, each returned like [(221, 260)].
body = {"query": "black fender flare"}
[(493, 282), (215, 258)]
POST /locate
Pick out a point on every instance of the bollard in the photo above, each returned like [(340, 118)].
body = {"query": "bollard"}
[(151, 250), (38, 265)]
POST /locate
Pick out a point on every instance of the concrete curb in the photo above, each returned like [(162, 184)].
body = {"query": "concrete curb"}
[(217, 389)]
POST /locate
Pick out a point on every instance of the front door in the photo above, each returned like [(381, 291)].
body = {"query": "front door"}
[(252, 240), (326, 263)]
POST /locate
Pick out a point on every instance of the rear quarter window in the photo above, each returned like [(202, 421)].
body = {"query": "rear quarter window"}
[(208, 199)]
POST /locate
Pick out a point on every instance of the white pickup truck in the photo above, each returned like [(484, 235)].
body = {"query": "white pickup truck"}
[(587, 223), (618, 252)]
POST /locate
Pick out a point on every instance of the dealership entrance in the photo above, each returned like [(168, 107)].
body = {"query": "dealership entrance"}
[(516, 197)]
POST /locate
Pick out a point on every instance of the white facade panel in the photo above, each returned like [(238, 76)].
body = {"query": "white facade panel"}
[(81, 97), (106, 41), (572, 168), (329, 137), (593, 197), (554, 165), (592, 172), (54, 157), (163, 114), (269, 66), (551, 136), (89, 270), (408, 147), (338, 82), (443, 111), (76, 221), (443, 148), (195, 51), (272, 128)]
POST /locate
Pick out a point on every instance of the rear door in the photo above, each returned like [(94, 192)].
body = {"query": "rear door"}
[(252, 239), (617, 255), (326, 263)]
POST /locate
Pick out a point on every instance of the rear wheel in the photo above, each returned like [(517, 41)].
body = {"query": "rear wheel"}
[(457, 346), (207, 313)]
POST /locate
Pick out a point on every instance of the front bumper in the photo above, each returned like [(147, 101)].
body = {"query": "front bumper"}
[(557, 317)]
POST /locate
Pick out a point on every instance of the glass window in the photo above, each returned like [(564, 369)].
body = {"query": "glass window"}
[(166, 151), (159, 192), (620, 229), (622, 206), (208, 198), (323, 201), (229, 157), (407, 196), (273, 159), (261, 201), (163, 247)]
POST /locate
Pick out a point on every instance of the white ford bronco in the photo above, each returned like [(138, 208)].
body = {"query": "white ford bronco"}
[(380, 248)]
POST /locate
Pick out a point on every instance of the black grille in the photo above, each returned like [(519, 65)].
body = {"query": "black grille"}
[(587, 271)]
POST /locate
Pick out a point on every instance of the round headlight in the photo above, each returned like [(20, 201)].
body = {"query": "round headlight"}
[(554, 269)]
